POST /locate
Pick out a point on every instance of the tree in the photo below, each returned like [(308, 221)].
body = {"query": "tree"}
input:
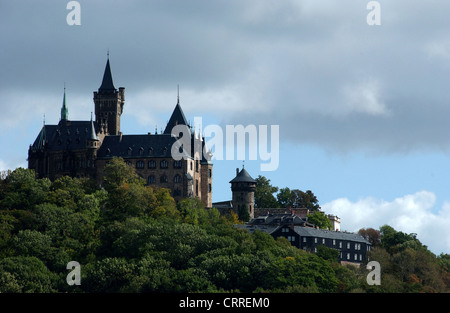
[(117, 172), (243, 213), (264, 197), (285, 198), (296, 198), (326, 253), (21, 190), (29, 274), (319, 219), (371, 235)]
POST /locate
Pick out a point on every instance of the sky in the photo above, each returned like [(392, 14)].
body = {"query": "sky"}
[(362, 109)]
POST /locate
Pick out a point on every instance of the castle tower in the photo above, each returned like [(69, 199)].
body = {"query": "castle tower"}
[(109, 104), (243, 187)]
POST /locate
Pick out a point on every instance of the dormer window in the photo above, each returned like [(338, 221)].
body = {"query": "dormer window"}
[(129, 151)]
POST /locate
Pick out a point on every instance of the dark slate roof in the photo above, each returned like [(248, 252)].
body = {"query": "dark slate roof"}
[(177, 118), (67, 135), (107, 82), (132, 146), (331, 234), (281, 219), (269, 229), (243, 176)]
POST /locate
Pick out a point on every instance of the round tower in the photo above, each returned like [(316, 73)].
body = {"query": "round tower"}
[(243, 187)]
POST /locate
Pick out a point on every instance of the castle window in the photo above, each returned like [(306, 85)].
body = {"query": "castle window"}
[(151, 164), (164, 164), (209, 173), (151, 179), (209, 188), (141, 151), (140, 164), (177, 179), (150, 151), (129, 151), (177, 164), (163, 179)]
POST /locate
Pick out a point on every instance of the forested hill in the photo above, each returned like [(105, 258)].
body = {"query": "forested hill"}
[(128, 237)]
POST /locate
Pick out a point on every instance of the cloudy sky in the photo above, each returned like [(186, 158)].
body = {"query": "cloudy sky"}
[(362, 110)]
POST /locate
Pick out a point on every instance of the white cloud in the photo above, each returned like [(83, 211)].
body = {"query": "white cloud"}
[(438, 49), (3, 166), (365, 97), (412, 213)]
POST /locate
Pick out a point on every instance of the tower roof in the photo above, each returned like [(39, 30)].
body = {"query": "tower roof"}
[(93, 133), (107, 82), (243, 176), (177, 118), (64, 109)]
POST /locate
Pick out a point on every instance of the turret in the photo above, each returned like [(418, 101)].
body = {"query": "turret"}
[(243, 187)]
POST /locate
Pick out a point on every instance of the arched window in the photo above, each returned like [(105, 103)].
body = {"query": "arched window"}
[(163, 179), (151, 164), (151, 179), (140, 164), (164, 164), (177, 179), (177, 164)]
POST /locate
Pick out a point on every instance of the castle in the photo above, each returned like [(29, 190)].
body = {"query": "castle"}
[(83, 148)]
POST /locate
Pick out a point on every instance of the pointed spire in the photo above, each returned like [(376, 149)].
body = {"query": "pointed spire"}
[(64, 109), (93, 134), (107, 82), (177, 118)]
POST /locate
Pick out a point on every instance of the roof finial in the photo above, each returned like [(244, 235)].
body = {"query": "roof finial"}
[(107, 54), (44, 119), (178, 94), (243, 164)]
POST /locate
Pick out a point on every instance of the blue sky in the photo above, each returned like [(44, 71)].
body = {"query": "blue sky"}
[(363, 110)]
